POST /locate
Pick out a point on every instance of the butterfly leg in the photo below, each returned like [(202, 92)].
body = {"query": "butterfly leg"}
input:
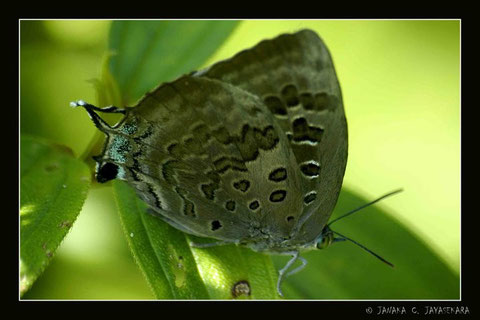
[(295, 256), (304, 263)]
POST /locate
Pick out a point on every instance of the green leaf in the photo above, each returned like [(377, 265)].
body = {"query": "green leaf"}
[(53, 187), (345, 271), (176, 271), (147, 53), (224, 267)]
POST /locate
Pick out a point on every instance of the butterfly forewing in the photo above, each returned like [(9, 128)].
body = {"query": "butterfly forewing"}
[(294, 76)]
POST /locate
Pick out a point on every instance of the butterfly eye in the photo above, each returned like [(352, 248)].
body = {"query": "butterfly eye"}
[(327, 239), (107, 172)]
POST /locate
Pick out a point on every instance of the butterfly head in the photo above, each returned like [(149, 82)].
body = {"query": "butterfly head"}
[(326, 238)]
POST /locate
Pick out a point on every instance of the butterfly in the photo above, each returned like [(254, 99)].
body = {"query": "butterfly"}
[(251, 150)]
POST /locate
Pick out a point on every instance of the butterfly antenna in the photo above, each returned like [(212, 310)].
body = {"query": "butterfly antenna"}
[(363, 247), (365, 205)]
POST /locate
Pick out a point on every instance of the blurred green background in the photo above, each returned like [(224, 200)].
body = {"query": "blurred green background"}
[(401, 90)]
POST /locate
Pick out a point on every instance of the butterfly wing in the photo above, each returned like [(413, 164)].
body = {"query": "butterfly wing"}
[(253, 148), (294, 76), (201, 155)]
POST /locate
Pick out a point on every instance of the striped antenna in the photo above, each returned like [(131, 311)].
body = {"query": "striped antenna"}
[(364, 206)]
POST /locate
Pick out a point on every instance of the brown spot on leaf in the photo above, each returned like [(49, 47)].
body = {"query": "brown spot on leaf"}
[(51, 167), (241, 288), (65, 224)]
